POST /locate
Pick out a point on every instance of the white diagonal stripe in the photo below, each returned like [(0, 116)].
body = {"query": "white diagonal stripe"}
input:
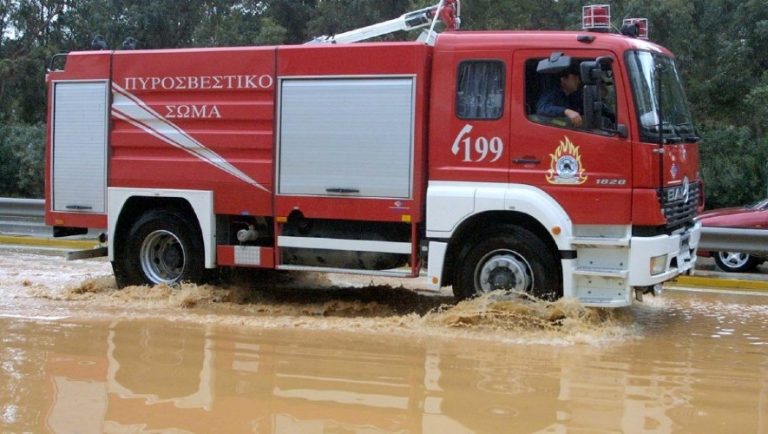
[(131, 109)]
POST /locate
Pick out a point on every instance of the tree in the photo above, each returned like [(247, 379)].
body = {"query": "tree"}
[(337, 16), (291, 15), (162, 23), (271, 33), (757, 106), (733, 165), (227, 23), (21, 151), (36, 30)]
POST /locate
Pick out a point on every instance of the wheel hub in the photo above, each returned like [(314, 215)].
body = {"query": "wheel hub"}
[(162, 257), (504, 270), (173, 256), (734, 259)]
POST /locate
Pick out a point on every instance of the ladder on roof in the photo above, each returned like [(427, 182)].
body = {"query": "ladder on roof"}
[(448, 11)]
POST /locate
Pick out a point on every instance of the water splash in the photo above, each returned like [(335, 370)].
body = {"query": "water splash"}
[(272, 299), (315, 301)]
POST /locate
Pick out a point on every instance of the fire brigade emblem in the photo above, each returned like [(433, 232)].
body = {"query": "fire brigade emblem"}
[(566, 167)]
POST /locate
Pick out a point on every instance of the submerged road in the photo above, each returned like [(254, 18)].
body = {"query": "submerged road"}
[(315, 354)]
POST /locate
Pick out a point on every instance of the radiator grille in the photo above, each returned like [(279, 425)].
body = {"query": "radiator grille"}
[(680, 203)]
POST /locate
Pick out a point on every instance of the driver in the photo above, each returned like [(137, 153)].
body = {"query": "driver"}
[(563, 100)]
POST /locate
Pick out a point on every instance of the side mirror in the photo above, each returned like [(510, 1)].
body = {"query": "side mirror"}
[(593, 71), (605, 62), (593, 107), (595, 113)]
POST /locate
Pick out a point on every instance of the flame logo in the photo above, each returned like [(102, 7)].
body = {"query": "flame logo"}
[(566, 167)]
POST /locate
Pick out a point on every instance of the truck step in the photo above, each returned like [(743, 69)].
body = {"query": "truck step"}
[(601, 272), (600, 242), (403, 272), (344, 244)]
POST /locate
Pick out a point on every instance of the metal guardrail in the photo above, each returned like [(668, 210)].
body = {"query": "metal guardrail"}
[(26, 218), (712, 238), (734, 240), (29, 208), (10, 207), (23, 217), (22, 223)]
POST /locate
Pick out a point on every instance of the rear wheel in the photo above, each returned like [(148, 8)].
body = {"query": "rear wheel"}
[(161, 247), (736, 262), (511, 259)]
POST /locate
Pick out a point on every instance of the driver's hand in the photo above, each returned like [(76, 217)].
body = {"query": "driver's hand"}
[(574, 117)]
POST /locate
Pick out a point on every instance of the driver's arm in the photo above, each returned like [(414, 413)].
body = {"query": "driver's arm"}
[(548, 105)]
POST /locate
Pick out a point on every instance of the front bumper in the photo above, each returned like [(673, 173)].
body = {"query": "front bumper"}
[(605, 274), (679, 248)]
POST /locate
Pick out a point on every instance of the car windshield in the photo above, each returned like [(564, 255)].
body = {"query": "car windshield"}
[(658, 93), (759, 205)]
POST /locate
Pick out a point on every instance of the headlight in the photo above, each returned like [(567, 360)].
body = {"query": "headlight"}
[(658, 264)]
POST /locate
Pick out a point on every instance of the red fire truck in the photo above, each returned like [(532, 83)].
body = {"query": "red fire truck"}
[(384, 158)]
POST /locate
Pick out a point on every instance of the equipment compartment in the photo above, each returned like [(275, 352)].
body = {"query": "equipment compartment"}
[(347, 136)]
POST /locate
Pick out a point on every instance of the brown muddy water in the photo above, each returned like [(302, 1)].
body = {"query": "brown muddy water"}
[(343, 354)]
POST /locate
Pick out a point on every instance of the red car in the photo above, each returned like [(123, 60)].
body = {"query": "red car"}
[(753, 216)]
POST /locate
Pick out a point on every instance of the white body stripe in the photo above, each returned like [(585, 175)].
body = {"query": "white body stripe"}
[(127, 107), (436, 261), (451, 203), (200, 201)]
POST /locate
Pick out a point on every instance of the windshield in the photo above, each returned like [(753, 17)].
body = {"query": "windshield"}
[(761, 205), (645, 70)]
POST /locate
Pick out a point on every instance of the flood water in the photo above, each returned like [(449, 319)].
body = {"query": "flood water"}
[(343, 354)]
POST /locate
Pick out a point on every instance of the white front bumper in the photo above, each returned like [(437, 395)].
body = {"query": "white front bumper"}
[(680, 249), (605, 276)]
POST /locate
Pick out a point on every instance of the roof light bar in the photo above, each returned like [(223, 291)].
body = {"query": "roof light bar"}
[(596, 18), (640, 27)]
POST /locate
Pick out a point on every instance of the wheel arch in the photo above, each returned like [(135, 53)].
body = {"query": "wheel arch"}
[(128, 205), (466, 233)]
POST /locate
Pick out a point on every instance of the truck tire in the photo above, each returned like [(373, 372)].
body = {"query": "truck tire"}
[(736, 262), (508, 258), (162, 247)]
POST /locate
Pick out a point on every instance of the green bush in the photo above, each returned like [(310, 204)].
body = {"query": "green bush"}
[(733, 165), (22, 166)]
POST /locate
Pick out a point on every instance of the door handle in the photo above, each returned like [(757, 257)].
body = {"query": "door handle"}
[(342, 190), (526, 159)]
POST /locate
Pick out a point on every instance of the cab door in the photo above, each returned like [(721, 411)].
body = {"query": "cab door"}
[(589, 172)]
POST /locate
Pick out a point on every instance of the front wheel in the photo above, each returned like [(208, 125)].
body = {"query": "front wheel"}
[(162, 247), (511, 259), (736, 262)]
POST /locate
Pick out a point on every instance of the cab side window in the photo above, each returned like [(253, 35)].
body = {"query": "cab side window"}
[(552, 99), (480, 90)]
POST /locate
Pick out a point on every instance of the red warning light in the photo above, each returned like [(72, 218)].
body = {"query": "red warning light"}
[(450, 14), (641, 24), (596, 17)]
